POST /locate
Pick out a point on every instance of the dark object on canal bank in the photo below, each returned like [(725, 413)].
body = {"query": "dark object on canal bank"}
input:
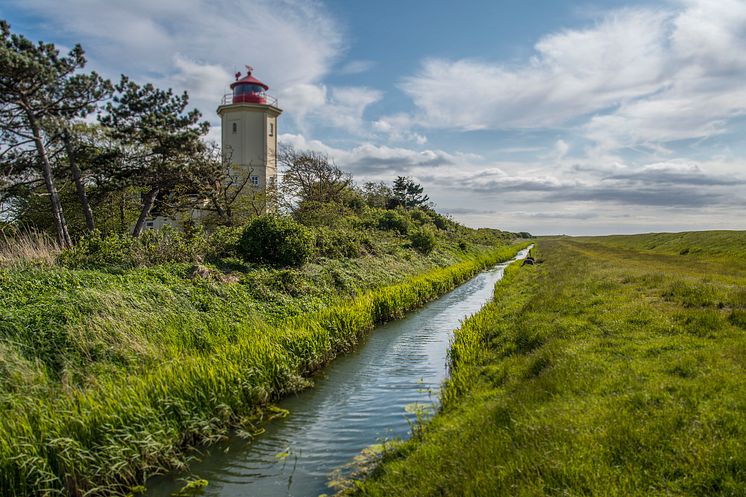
[(528, 261)]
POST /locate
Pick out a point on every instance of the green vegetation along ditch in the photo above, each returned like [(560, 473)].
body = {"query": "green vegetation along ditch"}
[(111, 374), (616, 367)]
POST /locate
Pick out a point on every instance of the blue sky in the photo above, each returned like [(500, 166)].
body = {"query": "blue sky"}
[(542, 116)]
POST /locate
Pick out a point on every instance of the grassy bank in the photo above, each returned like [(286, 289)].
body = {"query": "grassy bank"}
[(111, 374), (615, 367)]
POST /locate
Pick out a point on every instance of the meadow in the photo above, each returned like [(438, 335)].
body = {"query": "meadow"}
[(615, 367), (112, 372)]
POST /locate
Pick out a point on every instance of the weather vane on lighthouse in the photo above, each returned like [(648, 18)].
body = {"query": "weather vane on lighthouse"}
[(249, 70)]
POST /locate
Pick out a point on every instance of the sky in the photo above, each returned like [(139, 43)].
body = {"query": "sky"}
[(547, 116)]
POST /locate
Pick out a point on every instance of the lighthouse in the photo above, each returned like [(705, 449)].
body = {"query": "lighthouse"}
[(249, 130)]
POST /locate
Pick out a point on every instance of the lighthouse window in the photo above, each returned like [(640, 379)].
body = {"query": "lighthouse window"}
[(271, 129), (235, 128), (255, 180), (244, 89)]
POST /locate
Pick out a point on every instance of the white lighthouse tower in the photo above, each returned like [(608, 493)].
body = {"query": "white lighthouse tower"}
[(249, 130)]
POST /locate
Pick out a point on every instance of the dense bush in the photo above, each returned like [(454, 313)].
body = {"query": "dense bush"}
[(98, 250), (420, 217), (423, 240), (393, 221), (339, 243), (276, 240), (441, 222), (320, 213), (121, 249), (224, 241)]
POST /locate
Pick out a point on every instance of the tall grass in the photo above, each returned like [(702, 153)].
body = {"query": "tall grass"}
[(21, 246), (113, 434)]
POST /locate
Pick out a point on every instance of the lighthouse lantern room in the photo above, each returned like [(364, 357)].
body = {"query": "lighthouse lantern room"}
[(249, 130)]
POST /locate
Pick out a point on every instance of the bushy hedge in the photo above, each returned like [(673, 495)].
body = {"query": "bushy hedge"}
[(420, 217), (121, 249), (224, 241), (320, 213), (423, 240), (275, 240), (393, 221), (340, 243)]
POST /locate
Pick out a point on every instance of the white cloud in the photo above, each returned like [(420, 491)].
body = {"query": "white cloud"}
[(561, 148), (371, 161), (205, 81), (712, 35), (573, 73), (303, 99), (558, 194), (639, 77), (337, 107), (356, 67), (398, 128), (346, 107), (196, 45)]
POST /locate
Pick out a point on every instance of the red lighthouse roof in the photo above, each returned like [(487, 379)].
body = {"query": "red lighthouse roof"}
[(248, 80)]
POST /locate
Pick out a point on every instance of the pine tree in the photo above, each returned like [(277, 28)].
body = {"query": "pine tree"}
[(38, 89), (408, 194), (158, 139)]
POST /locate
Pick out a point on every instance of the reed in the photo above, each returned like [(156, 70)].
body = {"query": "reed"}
[(114, 433), (27, 245)]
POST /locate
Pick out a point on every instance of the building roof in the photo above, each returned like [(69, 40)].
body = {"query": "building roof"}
[(248, 79)]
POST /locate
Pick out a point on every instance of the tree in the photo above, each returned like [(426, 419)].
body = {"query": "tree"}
[(86, 91), (158, 138), (378, 195), (312, 177), (38, 88), (225, 190), (408, 194)]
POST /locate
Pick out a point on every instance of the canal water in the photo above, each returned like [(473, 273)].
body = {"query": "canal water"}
[(362, 398)]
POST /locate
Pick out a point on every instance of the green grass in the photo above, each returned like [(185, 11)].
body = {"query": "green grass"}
[(613, 368), (728, 245), (108, 376)]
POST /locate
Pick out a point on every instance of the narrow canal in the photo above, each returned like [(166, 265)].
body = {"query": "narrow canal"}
[(360, 399)]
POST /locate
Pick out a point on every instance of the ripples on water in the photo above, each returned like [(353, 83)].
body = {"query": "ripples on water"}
[(358, 400)]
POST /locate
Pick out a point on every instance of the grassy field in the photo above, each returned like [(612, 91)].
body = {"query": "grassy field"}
[(616, 367), (111, 374)]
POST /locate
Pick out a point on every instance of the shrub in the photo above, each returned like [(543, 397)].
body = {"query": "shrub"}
[(224, 241), (338, 243), (275, 240), (311, 213), (423, 240), (441, 222), (120, 249), (420, 217), (393, 221), (168, 244), (95, 249)]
